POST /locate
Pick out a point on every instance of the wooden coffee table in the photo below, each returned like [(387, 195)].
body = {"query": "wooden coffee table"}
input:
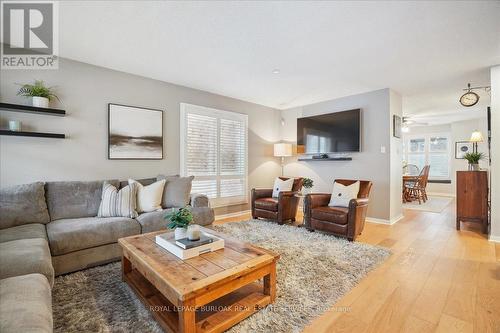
[(208, 293)]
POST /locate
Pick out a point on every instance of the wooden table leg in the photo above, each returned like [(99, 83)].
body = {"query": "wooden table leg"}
[(270, 282), (126, 267), (187, 317)]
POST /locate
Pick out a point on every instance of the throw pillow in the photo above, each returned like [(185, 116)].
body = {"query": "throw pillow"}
[(176, 192), (341, 194), (281, 185), (116, 203), (148, 197), (23, 204)]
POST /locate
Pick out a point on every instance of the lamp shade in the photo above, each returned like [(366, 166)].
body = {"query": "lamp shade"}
[(282, 149), (476, 136)]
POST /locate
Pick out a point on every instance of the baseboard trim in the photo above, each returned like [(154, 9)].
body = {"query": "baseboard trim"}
[(495, 239), (230, 215), (441, 194), (385, 221)]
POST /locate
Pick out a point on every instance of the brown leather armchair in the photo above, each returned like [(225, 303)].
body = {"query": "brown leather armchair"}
[(278, 209), (341, 221)]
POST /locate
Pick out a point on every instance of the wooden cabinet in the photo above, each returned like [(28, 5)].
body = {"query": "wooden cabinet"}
[(472, 198)]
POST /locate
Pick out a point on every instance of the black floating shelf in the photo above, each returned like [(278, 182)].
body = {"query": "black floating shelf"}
[(33, 134), (32, 109), (326, 159)]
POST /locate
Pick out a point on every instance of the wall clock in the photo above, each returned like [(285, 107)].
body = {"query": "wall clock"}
[(470, 98)]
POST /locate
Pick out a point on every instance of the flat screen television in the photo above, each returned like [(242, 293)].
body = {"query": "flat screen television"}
[(329, 133)]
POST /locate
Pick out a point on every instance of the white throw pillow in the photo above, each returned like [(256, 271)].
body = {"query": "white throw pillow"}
[(341, 194), (282, 186), (149, 197), (116, 203)]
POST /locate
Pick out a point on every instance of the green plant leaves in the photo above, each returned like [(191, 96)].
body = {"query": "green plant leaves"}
[(180, 218)]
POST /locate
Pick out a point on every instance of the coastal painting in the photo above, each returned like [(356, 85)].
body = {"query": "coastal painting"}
[(134, 133)]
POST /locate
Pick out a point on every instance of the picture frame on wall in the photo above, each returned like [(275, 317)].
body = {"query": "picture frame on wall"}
[(396, 126), (134, 133), (462, 148)]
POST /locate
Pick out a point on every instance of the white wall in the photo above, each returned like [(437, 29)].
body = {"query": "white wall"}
[(396, 158), (495, 154), (369, 164), (458, 131), (85, 91)]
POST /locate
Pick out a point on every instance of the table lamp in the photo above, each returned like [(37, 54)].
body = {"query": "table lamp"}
[(282, 150), (476, 137)]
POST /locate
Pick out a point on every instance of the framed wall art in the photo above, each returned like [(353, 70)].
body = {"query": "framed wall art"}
[(134, 133)]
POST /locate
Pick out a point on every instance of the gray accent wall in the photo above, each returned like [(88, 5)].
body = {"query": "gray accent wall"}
[(85, 91), (370, 163)]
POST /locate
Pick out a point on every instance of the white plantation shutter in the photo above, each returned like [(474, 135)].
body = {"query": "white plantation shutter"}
[(214, 150)]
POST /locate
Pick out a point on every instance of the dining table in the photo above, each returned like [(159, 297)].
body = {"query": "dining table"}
[(407, 178)]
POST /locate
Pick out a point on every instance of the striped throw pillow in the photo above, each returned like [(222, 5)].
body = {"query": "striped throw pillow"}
[(116, 203)]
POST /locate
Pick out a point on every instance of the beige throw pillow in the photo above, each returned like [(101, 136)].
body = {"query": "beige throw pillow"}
[(341, 194), (148, 197)]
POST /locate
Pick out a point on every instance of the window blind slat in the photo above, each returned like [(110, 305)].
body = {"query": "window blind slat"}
[(215, 148)]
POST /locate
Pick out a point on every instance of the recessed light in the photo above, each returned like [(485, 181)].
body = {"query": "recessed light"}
[(276, 71)]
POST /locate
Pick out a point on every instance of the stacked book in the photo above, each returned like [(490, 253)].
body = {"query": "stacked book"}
[(185, 243)]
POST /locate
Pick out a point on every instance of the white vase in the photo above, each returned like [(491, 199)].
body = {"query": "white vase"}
[(41, 102), (475, 167), (180, 233)]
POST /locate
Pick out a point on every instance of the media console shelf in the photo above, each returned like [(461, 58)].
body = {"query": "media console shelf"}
[(326, 159), (32, 109)]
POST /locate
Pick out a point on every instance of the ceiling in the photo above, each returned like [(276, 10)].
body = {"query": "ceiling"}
[(426, 51)]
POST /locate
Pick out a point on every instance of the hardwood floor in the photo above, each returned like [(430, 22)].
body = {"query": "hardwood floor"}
[(438, 279)]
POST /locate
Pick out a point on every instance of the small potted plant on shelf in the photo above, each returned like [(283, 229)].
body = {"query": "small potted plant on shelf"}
[(307, 184), (473, 159), (40, 94), (179, 220)]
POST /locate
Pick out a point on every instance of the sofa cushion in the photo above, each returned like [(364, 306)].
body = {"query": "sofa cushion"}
[(26, 231), (25, 304), (153, 221), (176, 191), (74, 199), (68, 235), (331, 214), (144, 181), (267, 204), (23, 204), (26, 256), (203, 215)]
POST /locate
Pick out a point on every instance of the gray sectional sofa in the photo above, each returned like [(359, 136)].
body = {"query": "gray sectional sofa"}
[(48, 229)]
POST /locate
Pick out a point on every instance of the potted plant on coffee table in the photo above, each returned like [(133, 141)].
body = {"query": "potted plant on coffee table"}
[(40, 94), (179, 219), (473, 159)]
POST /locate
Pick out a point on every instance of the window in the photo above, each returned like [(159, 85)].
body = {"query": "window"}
[(433, 149), (214, 150)]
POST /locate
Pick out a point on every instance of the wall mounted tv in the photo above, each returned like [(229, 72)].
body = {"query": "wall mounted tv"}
[(329, 133)]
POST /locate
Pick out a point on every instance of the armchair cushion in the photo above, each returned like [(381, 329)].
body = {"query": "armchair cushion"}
[(267, 204), (336, 215), (281, 185), (342, 194)]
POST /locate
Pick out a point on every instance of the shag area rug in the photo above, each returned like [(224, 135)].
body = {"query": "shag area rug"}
[(314, 271)]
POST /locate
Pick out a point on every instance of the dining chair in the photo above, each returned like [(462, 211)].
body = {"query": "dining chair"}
[(417, 189)]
